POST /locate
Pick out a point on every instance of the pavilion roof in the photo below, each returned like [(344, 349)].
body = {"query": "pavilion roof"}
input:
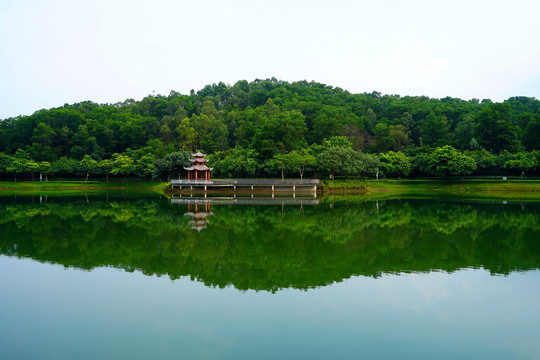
[(198, 154), (198, 168), (198, 160)]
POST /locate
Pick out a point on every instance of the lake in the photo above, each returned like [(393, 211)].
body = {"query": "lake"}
[(143, 276)]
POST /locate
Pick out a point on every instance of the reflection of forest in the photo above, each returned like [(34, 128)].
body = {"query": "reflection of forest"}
[(268, 248)]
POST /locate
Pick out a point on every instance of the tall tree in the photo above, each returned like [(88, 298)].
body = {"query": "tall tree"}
[(495, 132)]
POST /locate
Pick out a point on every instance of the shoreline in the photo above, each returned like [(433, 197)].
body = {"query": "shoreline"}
[(380, 189)]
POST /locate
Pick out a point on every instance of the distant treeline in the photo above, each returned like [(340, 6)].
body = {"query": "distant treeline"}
[(273, 128)]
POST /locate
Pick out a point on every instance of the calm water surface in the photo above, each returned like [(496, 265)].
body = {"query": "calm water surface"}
[(131, 277)]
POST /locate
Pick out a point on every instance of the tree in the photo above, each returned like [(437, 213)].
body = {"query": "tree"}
[(434, 130), (485, 161), (446, 160), (65, 167), (105, 167), (6, 162), (400, 138), (522, 162), (280, 133), (144, 167), (330, 161), (44, 134), (187, 134), (339, 141), (171, 166), (237, 162), (495, 131), (84, 144), (382, 135), (88, 166), (531, 136), (464, 133), (298, 160), (282, 159), (44, 168), (17, 166), (345, 161), (122, 165), (368, 164), (395, 164)]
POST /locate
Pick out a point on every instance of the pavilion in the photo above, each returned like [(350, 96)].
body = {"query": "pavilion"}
[(198, 170)]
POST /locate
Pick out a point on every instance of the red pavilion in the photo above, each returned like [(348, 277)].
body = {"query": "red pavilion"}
[(199, 170)]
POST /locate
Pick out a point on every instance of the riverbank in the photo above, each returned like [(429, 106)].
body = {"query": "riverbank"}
[(30, 187), (369, 189), (474, 188), (412, 188)]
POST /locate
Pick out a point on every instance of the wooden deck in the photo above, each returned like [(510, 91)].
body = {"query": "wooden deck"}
[(271, 185)]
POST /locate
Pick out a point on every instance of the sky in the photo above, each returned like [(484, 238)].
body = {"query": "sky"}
[(54, 52)]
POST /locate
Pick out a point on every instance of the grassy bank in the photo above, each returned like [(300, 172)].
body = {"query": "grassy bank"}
[(8, 187), (344, 187), (504, 189), (369, 189)]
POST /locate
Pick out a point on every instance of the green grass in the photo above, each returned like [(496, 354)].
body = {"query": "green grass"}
[(344, 186), (472, 189), (369, 189), (29, 187)]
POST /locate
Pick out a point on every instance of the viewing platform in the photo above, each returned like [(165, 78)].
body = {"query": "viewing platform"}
[(273, 185)]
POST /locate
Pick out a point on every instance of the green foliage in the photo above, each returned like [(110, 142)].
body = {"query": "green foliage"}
[(122, 165), (280, 134), (65, 167), (495, 131), (395, 164), (484, 160), (88, 166), (531, 137), (434, 130), (269, 117), (346, 162), (237, 162), (339, 141), (171, 166), (449, 161), (523, 162)]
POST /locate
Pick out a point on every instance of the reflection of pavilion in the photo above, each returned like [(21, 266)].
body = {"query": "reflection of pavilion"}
[(199, 208), (198, 211)]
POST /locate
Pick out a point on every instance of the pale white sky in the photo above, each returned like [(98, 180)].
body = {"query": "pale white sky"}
[(64, 51)]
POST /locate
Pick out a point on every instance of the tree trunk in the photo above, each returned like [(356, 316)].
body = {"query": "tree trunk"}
[(282, 176)]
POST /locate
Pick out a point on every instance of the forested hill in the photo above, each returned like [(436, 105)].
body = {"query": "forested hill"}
[(268, 118)]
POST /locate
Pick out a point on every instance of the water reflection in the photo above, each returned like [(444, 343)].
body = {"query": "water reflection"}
[(198, 211), (199, 208), (271, 247)]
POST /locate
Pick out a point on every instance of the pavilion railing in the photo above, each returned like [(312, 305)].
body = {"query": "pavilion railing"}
[(261, 182)]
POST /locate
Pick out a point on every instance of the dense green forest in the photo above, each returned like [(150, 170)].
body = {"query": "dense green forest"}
[(275, 128)]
